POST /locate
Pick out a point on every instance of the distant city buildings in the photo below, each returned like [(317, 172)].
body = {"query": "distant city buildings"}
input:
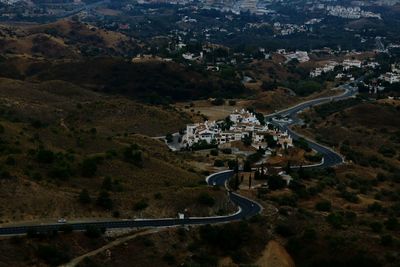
[(347, 64), (350, 12)]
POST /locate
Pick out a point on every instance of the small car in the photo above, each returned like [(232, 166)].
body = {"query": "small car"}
[(62, 220)]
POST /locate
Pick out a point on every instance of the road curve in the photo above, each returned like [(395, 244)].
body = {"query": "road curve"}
[(330, 157), (246, 208)]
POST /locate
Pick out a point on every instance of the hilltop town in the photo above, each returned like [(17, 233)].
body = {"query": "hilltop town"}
[(240, 125)]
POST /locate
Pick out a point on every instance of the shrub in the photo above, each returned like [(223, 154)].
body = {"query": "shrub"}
[(45, 156), (386, 240), (133, 155), (284, 230), (350, 196), (169, 258), (11, 161), (66, 228), (84, 197), (335, 220), (206, 200), (376, 227), (169, 138), (52, 255), (36, 124), (214, 152), (313, 158), (218, 102), (219, 163), (116, 214), (275, 182), (158, 196), (392, 223), (247, 166), (232, 164), (107, 184), (323, 205), (226, 151), (387, 151), (375, 207), (310, 234), (302, 143), (140, 205), (60, 170), (88, 167), (104, 200), (93, 231)]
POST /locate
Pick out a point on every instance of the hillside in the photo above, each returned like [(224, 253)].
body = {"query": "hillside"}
[(58, 139), (64, 39)]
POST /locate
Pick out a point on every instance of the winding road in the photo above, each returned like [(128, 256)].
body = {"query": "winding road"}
[(246, 207), (330, 157)]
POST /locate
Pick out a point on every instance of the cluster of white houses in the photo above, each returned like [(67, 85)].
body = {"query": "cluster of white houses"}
[(392, 76), (346, 65), (243, 124)]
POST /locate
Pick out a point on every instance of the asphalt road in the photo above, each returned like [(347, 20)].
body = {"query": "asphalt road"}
[(330, 157), (247, 207)]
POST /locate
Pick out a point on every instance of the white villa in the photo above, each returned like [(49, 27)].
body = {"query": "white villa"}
[(348, 63), (244, 123), (330, 66), (390, 77), (393, 76)]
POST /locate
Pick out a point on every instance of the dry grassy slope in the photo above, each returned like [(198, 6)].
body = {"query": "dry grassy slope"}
[(61, 39), (63, 29), (365, 127), (40, 45), (68, 113), (59, 102)]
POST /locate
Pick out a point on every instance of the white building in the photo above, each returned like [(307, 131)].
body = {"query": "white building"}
[(330, 66), (243, 116), (244, 123), (350, 63), (390, 77), (301, 56)]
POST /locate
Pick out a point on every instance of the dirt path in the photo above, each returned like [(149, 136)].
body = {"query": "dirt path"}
[(275, 255), (114, 243)]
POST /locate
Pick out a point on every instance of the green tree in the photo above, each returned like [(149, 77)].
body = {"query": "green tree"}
[(133, 155), (169, 138), (247, 166), (219, 163), (84, 197), (45, 156), (205, 199), (141, 205), (247, 140), (107, 184), (104, 200), (275, 182), (335, 219), (93, 231), (52, 255), (323, 205), (88, 167)]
